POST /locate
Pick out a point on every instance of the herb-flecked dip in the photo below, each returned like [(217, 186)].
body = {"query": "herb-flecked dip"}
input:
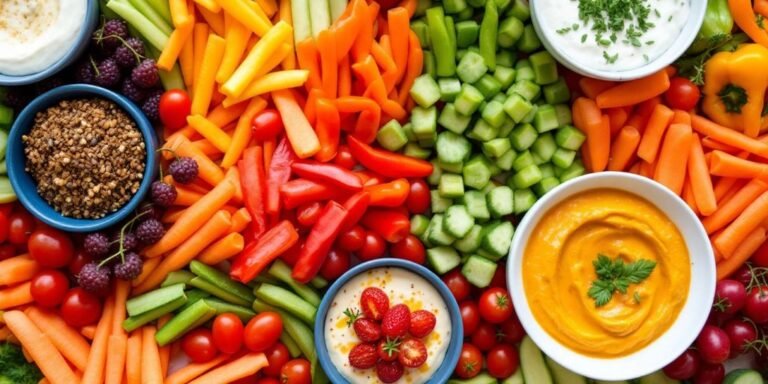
[(606, 273)]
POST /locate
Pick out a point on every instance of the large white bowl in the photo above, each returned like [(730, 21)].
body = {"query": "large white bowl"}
[(678, 47), (689, 322)]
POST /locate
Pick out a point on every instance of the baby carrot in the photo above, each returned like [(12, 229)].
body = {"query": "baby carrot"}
[(194, 370), (223, 249), (723, 164), (151, 371), (681, 117), (654, 133), (113, 372), (729, 136), (236, 369), (205, 128), (242, 134), (133, 358), (97, 359), (593, 87), (623, 148), (208, 170), (17, 269), (673, 157), (598, 143), (67, 340), (700, 180), (15, 296), (618, 117), (635, 91), (752, 216), (206, 78), (149, 265), (741, 254), (709, 143), (175, 44), (199, 40), (688, 197)]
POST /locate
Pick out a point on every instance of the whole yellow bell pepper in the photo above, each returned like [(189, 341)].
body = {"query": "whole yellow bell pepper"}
[(734, 88)]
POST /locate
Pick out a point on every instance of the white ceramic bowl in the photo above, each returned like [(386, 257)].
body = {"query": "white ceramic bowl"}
[(678, 47), (689, 322)]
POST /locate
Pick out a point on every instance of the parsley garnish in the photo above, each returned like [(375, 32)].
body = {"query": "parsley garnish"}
[(610, 59), (615, 275)]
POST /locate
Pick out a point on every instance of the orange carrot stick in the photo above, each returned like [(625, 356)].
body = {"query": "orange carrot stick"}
[(194, 370), (681, 117), (635, 91), (89, 331), (728, 136), (242, 134), (164, 351), (240, 220), (115, 367), (399, 29), (175, 44), (227, 247), (723, 164), (151, 371), (598, 143), (309, 59), (593, 87), (701, 181), (199, 39), (236, 369), (654, 133), (17, 269), (67, 340), (16, 295), (326, 44), (185, 197), (618, 117), (298, 130), (688, 197), (623, 148), (752, 216), (413, 69), (133, 358), (742, 253), (673, 157), (149, 265), (97, 359), (709, 143)]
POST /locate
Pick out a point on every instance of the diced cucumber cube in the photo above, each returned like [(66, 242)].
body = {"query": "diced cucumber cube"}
[(525, 73), (544, 67), (454, 6), (545, 118), (529, 117), (563, 114), (493, 113), (488, 86), (391, 136), (471, 67), (449, 89), (526, 177), (419, 224), (476, 204), (576, 169), (538, 160), (500, 201), (523, 160), (557, 92), (466, 33), (451, 167), (434, 178), (505, 161), (496, 147), (458, 221), (505, 75), (544, 147), (408, 130), (520, 10), (452, 120), (569, 137), (479, 271), (529, 42), (524, 200), (545, 185), (507, 126), (523, 136), (437, 234), (496, 238), (482, 131), (468, 100), (425, 91), (451, 186), (471, 241), (476, 173), (547, 170), (452, 148), (524, 63), (414, 150), (466, 14), (517, 107), (506, 58), (563, 158), (510, 31), (525, 88), (439, 203), (443, 259), (424, 122)]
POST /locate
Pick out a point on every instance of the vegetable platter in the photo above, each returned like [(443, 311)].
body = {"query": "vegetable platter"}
[(195, 177)]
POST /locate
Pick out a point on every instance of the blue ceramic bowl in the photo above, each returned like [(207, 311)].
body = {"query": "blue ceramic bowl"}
[(443, 373), (25, 186), (81, 43)]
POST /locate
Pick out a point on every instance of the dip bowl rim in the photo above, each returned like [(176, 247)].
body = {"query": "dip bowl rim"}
[(444, 372), (689, 321), (80, 43), (678, 47), (25, 187)]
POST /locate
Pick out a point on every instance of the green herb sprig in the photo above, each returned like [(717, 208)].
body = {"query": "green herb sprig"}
[(615, 275)]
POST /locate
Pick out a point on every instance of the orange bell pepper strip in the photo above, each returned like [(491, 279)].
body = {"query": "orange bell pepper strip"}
[(392, 194), (345, 77), (347, 29), (364, 39), (370, 116), (413, 69), (329, 68), (399, 28), (328, 129), (744, 16), (308, 57)]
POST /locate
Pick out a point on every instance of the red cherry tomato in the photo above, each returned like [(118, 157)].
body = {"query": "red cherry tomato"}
[(7, 251), (373, 248), (352, 240), (470, 317), (277, 356), (511, 331), (502, 361), (174, 108), (495, 305), (198, 345), (409, 248), (741, 333), (49, 288), (682, 94), (263, 331), (418, 198), (710, 374), (267, 124), (78, 261), (80, 308), (713, 345), (50, 248), (20, 226), (684, 366), (470, 362), (344, 157), (499, 279), (457, 284), (228, 332), (336, 263), (307, 215), (756, 307), (484, 337), (760, 257), (296, 371), (4, 221), (730, 296)]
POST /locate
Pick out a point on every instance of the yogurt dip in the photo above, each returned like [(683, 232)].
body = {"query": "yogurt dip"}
[(583, 32), (35, 34), (401, 286)]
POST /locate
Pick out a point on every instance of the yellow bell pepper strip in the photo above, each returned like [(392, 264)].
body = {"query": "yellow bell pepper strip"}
[(734, 92), (745, 18)]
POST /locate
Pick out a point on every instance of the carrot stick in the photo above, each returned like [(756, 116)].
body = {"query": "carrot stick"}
[(728, 136), (222, 116), (175, 44), (688, 197), (149, 265), (723, 185), (300, 134), (709, 143), (194, 370), (413, 69), (67, 340), (209, 232), (89, 331), (200, 40), (116, 359), (187, 62), (681, 117), (210, 131), (700, 180), (598, 143), (623, 148), (16, 295), (39, 346), (185, 197), (635, 91), (206, 78), (647, 169), (97, 359), (133, 358), (593, 87), (151, 371), (240, 220), (642, 114), (236, 369), (618, 117), (207, 169), (752, 216), (17, 269), (673, 157), (742, 253), (654, 133), (227, 247), (122, 290), (256, 58), (723, 164), (326, 44), (242, 134), (399, 29)]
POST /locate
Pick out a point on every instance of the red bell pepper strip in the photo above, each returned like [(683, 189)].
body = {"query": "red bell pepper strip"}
[(392, 225), (292, 254), (302, 191), (259, 254), (253, 181), (392, 194), (328, 129), (387, 163), (356, 205), (307, 214), (279, 173), (329, 174), (319, 242)]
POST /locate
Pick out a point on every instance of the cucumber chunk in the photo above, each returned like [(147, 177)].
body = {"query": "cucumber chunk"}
[(443, 259), (479, 271), (458, 222)]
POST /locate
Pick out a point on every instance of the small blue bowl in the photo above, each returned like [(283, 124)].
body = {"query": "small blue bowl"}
[(25, 186), (81, 43), (443, 373)]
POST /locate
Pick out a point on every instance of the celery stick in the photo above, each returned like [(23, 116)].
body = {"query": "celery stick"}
[(153, 299), (172, 79), (146, 28), (243, 313), (318, 282), (134, 322), (184, 322), (205, 285), (289, 343), (300, 332), (177, 277), (106, 12), (320, 13), (302, 25), (282, 272), (152, 15), (337, 8), (287, 300), (318, 375), (193, 296), (162, 7), (222, 280)]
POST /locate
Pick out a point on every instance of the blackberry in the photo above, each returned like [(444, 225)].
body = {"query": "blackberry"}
[(84, 72), (150, 231), (131, 91), (93, 278), (130, 268), (130, 53), (151, 106), (183, 170), (96, 244), (107, 74), (130, 242), (163, 194), (145, 74), (111, 34)]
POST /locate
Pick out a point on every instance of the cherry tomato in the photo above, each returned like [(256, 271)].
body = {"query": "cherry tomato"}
[(684, 366), (713, 345), (7, 251), (228, 332), (470, 317), (502, 361), (277, 356), (409, 248), (511, 331), (296, 371), (352, 240), (470, 362), (499, 279), (756, 307), (484, 337), (457, 284), (20, 226), (267, 124), (262, 331), (344, 157), (49, 288), (495, 305), (741, 333), (742, 275), (336, 263), (373, 248), (80, 308), (307, 215), (174, 108), (50, 248), (730, 296), (78, 261), (4, 221), (418, 198), (710, 374), (760, 257), (682, 94), (198, 345)]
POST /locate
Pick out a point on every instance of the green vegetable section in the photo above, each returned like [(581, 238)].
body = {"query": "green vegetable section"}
[(492, 115)]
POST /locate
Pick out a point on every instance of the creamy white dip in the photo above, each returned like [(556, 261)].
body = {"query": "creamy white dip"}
[(577, 40), (34, 34), (401, 286)]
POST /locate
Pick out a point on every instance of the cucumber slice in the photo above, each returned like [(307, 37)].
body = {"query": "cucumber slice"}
[(544, 147), (482, 131), (425, 91), (443, 259), (523, 136), (527, 177), (419, 224), (475, 202), (458, 222), (437, 234), (477, 172), (438, 203), (532, 363), (500, 201), (451, 186), (524, 200), (496, 238), (470, 242), (449, 89), (471, 67), (481, 378), (452, 120), (743, 376), (424, 122), (479, 271), (452, 148), (569, 137)]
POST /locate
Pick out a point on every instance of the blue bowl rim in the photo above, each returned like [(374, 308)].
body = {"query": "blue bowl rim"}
[(16, 171), (81, 42), (443, 373)]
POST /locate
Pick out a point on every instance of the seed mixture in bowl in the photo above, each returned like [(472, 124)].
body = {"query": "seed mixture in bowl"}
[(86, 156)]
